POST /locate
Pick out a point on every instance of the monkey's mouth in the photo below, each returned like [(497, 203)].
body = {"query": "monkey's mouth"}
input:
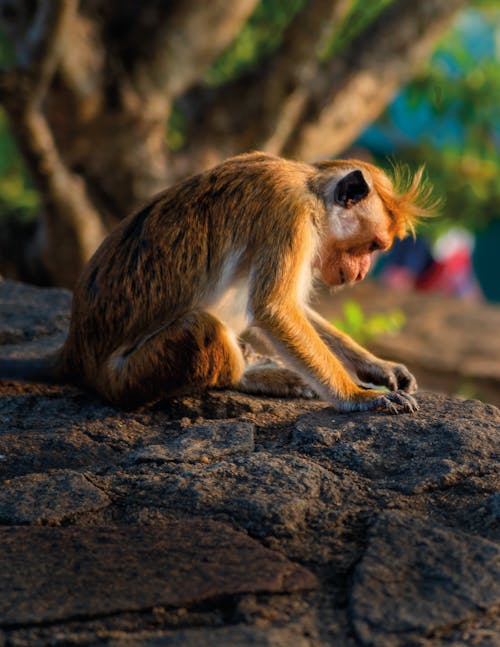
[(342, 279)]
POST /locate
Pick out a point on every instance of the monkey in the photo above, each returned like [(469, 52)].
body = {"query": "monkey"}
[(159, 308)]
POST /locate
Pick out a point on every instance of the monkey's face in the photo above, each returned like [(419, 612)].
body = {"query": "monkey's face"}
[(358, 226), (339, 266)]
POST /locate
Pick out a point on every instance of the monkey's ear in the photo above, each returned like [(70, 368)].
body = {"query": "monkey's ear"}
[(349, 190)]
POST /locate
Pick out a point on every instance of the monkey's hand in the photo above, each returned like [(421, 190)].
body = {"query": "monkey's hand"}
[(394, 402), (396, 377)]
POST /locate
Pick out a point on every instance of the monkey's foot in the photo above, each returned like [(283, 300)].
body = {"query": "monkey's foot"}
[(275, 381), (394, 402)]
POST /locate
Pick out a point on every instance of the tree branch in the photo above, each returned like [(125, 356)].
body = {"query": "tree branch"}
[(81, 64), (294, 67), (70, 228), (318, 115), (260, 109), (37, 39), (194, 35), (354, 88)]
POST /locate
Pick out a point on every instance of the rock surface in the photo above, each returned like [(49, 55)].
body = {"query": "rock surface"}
[(224, 519), (425, 578), (50, 574)]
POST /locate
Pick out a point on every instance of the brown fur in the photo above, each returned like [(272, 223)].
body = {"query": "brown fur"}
[(146, 320)]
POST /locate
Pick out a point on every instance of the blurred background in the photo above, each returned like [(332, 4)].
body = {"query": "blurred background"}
[(105, 102)]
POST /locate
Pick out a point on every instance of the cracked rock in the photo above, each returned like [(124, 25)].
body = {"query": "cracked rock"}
[(49, 573), (50, 497), (266, 493), (238, 636), (417, 578), (439, 448), (154, 526)]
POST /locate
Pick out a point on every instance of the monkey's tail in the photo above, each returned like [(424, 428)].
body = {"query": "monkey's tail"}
[(47, 369)]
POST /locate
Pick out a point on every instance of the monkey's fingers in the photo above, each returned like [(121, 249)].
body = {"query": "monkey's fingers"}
[(397, 402)]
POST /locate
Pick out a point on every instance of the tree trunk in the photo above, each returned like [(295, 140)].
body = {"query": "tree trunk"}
[(94, 83)]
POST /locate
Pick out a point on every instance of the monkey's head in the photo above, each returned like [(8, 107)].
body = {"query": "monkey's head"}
[(366, 210)]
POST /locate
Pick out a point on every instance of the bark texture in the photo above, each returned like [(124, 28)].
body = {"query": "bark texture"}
[(93, 84)]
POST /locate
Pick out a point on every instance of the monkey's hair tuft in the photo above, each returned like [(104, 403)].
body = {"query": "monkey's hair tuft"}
[(408, 198)]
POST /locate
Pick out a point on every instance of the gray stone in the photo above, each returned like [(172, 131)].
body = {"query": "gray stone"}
[(492, 505), (423, 575), (204, 441), (264, 492), (237, 636), (37, 442), (416, 578), (50, 497), (448, 442), (49, 573), (28, 313)]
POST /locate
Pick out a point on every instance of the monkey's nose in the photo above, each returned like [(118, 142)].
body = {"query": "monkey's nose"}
[(363, 267), (361, 275)]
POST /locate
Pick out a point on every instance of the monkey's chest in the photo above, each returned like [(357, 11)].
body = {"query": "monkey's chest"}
[(231, 305)]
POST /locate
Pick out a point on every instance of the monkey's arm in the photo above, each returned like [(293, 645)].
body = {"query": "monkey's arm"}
[(296, 340), (367, 367), (287, 327)]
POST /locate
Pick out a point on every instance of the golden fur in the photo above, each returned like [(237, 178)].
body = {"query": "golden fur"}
[(151, 311)]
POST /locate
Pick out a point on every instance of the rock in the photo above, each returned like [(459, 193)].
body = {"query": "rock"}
[(443, 446), (28, 313), (201, 442), (238, 636), (233, 636), (416, 578), (54, 496), (48, 574), (493, 506), (200, 520), (268, 495)]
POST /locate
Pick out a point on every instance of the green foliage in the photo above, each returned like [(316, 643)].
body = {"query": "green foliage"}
[(176, 129), (264, 32), (468, 184), (17, 197), (460, 87), (469, 391), (260, 36), (363, 328), (357, 18), (6, 51)]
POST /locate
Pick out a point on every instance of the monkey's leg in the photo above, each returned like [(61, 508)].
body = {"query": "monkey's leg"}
[(268, 379), (195, 352)]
